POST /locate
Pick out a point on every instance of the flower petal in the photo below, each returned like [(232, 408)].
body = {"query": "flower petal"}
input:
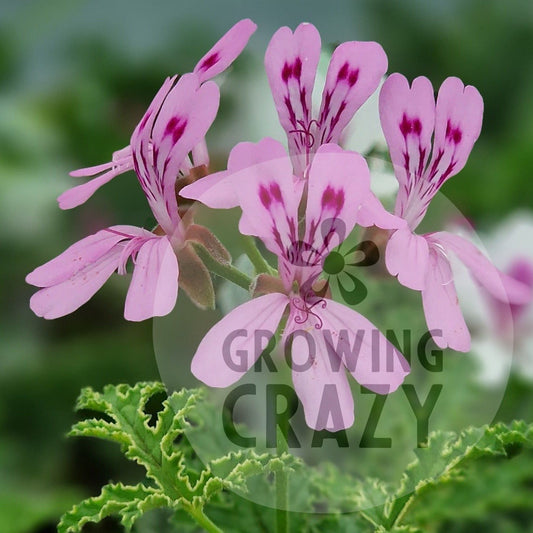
[(215, 191), (225, 51), (82, 255), (291, 62), (121, 162), (182, 122), (81, 193), (441, 306), (154, 284), (372, 213), (407, 256), (371, 359), (227, 350), (65, 297), (339, 180), (458, 118), (500, 285), (408, 118), (218, 190), (322, 387), (267, 195), (354, 73)]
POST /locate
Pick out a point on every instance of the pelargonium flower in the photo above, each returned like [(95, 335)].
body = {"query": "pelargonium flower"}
[(291, 61), (177, 119), (338, 184), (218, 59), (410, 119)]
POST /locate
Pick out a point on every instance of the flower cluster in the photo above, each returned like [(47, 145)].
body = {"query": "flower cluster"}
[(301, 202)]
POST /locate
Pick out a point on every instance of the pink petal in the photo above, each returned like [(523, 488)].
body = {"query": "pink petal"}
[(500, 285), (458, 118), (408, 117), (267, 195), (228, 349), (182, 122), (81, 255), (90, 171), (121, 162), (81, 193), (215, 191), (372, 213), (376, 363), (291, 62), (354, 73), (323, 390), (154, 284), (407, 256), (339, 180), (441, 306), (65, 297), (225, 51), (219, 190)]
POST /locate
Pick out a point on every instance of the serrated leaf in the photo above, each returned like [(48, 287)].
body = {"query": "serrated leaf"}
[(175, 478), (443, 460), (128, 502)]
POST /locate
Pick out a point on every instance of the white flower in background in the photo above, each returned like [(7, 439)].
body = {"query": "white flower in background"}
[(502, 335)]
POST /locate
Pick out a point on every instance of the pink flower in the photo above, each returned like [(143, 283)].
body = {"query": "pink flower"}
[(291, 61), (429, 143), (327, 337), (219, 58), (176, 121)]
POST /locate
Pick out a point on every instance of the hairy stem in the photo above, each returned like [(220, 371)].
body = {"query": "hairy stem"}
[(260, 264), (224, 270)]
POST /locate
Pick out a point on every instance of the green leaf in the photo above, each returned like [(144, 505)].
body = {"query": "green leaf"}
[(175, 478), (129, 502), (441, 461)]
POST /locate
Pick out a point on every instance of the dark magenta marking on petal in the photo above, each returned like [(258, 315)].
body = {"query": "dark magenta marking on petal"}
[(144, 121), (297, 68), (178, 132), (171, 125), (264, 196), (275, 191), (328, 197), (303, 102), (286, 72), (353, 77), (343, 72), (453, 134), (292, 114), (405, 125), (339, 199), (417, 126), (175, 127), (209, 61)]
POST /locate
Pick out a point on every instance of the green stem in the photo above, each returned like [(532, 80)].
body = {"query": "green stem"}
[(202, 519), (260, 264), (224, 270), (282, 489)]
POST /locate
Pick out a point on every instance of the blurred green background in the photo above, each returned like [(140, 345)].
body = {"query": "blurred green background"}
[(76, 76)]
